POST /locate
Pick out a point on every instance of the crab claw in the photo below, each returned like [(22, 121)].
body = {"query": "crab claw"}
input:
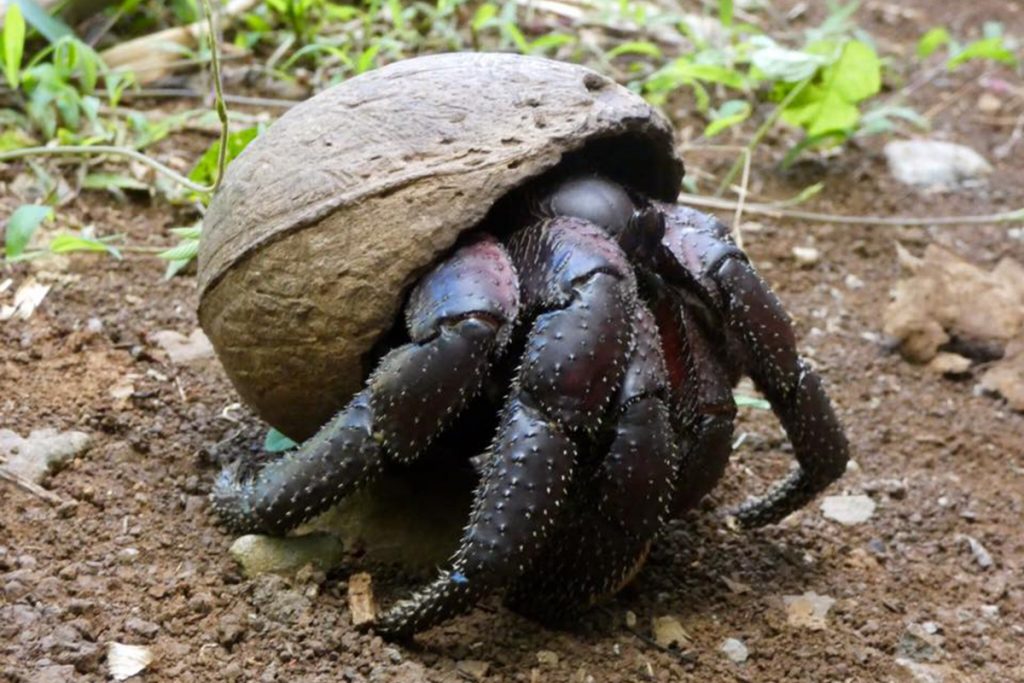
[(794, 390)]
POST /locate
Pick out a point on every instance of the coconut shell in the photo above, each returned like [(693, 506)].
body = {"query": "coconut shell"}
[(322, 223)]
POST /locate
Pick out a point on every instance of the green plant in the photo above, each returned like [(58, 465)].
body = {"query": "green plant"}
[(994, 46)]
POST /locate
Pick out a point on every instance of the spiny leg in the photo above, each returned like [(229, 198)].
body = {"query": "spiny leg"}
[(794, 390), (574, 361), (459, 317), (696, 256), (608, 530), (702, 400)]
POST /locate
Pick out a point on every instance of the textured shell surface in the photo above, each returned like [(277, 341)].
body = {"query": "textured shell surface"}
[(326, 219)]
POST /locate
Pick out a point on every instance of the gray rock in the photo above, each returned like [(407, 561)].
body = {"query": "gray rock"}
[(921, 644), (42, 453), (848, 510), (182, 350), (926, 163), (262, 554), (980, 553), (735, 650)]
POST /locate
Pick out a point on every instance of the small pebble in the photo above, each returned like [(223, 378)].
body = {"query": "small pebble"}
[(472, 669), (848, 510), (735, 650), (806, 256)]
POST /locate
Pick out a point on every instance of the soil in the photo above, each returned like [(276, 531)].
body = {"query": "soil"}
[(134, 555)]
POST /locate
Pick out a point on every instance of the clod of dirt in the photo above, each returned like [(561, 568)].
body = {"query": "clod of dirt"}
[(848, 510), (42, 453), (547, 658), (928, 163), (125, 661), (360, 599), (668, 632), (182, 350), (808, 610), (948, 304), (472, 669), (951, 364), (264, 554)]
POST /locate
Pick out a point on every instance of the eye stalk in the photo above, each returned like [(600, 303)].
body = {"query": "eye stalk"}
[(593, 199)]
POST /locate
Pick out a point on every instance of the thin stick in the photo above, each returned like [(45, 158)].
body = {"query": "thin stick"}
[(96, 150), (218, 87), (737, 230), (762, 131), (773, 211), (30, 487)]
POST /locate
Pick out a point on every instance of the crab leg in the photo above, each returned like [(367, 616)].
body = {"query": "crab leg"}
[(791, 386), (459, 318), (704, 408), (605, 538), (697, 256), (581, 285)]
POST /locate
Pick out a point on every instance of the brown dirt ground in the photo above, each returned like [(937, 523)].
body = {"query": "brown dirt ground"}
[(69, 584)]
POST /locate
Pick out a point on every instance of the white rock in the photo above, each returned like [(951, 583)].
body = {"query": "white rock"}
[(26, 300), (126, 661), (926, 163), (806, 256), (43, 452), (735, 650), (182, 350), (848, 510), (808, 610), (930, 673), (262, 554)]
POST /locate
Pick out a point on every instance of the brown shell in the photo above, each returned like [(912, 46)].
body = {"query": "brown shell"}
[(323, 222)]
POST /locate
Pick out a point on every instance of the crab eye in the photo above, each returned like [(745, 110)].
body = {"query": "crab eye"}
[(594, 199)]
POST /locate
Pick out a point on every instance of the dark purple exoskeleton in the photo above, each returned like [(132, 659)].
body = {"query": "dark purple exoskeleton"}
[(639, 319)]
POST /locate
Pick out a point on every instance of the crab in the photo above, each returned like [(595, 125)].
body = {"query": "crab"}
[(615, 323)]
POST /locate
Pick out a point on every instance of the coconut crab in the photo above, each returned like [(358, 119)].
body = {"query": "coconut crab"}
[(526, 207)]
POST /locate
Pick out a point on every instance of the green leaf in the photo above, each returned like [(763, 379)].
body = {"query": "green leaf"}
[(50, 27), (987, 48), (185, 251), (205, 169), (550, 41), (781, 64), (725, 12), (275, 442), (366, 59), (828, 114), (932, 41), (731, 113), (483, 16), (857, 75), (635, 47), (744, 401), (14, 45), (107, 181), (21, 226), (190, 232), (62, 244)]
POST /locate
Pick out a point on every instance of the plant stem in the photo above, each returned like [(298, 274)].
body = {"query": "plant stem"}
[(96, 150), (772, 210), (761, 132), (218, 87)]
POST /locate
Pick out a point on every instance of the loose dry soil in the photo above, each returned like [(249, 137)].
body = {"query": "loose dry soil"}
[(134, 555)]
